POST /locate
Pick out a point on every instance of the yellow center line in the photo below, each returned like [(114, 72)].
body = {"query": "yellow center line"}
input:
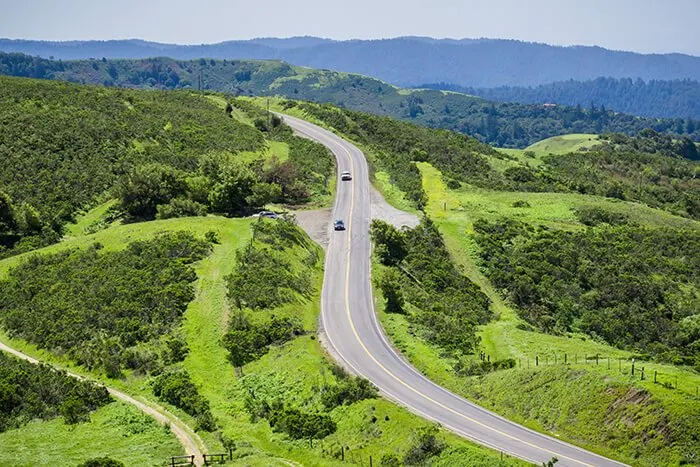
[(387, 371), (380, 365)]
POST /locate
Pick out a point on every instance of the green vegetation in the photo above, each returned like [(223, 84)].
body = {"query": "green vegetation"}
[(447, 306), (500, 124), (176, 387), (161, 154), (64, 146), (117, 431), (644, 295), (109, 310), (29, 391)]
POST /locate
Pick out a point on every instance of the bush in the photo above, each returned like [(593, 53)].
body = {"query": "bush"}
[(101, 462), (426, 445), (346, 392), (176, 388)]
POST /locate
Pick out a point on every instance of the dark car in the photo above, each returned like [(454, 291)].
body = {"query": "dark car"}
[(338, 225)]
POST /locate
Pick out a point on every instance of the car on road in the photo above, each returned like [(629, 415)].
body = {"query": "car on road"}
[(338, 225), (345, 175), (268, 214)]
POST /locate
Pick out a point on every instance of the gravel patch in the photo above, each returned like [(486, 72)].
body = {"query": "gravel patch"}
[(380, 209)]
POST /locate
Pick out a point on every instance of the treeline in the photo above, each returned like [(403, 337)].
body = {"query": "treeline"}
[(653, 98), (500, 124), (106, 310), (175, 387), (634, 287), (29, 391), (446, 306)]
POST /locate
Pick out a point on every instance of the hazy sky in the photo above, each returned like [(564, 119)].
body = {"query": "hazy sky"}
[(638, 25)]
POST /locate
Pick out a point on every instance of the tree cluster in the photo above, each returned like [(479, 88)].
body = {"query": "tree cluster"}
[(175, 387), (109, 310), (29, 391), (448, 306), (632, 286)]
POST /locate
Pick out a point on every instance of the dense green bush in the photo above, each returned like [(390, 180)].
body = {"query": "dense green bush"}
[(175, 387), (347, 391), (248, 340), (594, 215), (632, 286), (102, 307), (448, 305), (29, 391)]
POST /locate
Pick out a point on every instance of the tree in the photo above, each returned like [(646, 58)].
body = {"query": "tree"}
[(390, 242), (390, 285), (146, 187), (263, 193), (74, 410), (234, 184)]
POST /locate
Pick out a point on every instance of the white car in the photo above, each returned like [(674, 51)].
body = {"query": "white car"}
[(345, 175)]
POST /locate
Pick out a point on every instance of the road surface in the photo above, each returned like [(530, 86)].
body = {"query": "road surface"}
[(189, 440), (355, 337)]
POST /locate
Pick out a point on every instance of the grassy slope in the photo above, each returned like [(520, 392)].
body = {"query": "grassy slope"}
[(527, 394), (296, 369), (118, 431)]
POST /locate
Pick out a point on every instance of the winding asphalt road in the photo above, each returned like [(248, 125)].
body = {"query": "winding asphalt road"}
[(356, 338)]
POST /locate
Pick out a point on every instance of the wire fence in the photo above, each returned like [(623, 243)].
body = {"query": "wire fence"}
[(633, 368)]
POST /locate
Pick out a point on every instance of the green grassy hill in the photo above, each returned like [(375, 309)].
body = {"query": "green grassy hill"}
[(553, 381), (501, 124), (292, 372)]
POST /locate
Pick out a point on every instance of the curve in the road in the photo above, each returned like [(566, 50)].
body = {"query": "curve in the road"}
[(356, 338), (189, 440)]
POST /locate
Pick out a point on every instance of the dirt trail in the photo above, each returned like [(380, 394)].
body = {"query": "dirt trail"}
[(189, 440)]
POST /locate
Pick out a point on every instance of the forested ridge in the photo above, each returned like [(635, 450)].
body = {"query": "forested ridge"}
[(654, 98), (497, 123)]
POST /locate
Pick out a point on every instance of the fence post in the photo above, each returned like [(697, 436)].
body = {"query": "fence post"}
[(370, 461), (342, 453), (596, 359), (654, 376), (537, 360), (642, 374), (608, 363), (633, 367), (564, 358)]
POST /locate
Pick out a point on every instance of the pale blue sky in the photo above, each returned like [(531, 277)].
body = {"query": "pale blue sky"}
[(638, 25)]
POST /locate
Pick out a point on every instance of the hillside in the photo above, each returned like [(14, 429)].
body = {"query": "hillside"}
[(654, 98), (67, 148), (499, 124), (403, 61), (580, 285)]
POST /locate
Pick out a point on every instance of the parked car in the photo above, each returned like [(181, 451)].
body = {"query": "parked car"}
[(268, 214), (345, 175), (338, 225)]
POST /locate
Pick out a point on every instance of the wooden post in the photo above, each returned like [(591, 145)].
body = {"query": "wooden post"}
[(655, 376), (565, 359), (370, 461), (608, 363), (642, 374), (342, 453), (596, 359), (633, 367), (537, 360)]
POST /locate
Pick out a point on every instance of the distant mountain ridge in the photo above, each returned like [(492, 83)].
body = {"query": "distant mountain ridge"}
[(403, 61), (500, 124)]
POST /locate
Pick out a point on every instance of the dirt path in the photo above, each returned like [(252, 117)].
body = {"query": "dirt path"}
[(188, 439)]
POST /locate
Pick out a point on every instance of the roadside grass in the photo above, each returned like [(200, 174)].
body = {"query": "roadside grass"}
[(542, 392), (118, 430)]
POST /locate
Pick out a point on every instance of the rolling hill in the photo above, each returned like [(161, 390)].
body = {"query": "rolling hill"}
[(500, 124)]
